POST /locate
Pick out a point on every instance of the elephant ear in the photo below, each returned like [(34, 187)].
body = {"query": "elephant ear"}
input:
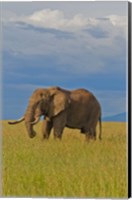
[(59, 103)]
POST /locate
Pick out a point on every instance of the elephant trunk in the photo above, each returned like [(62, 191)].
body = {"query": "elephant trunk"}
[(30, 130), (29, 117), (32, 117)]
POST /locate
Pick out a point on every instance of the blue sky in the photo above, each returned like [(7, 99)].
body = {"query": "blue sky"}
[(66, 44)]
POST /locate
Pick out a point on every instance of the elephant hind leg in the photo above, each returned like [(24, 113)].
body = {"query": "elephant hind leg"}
[(94, 135), (91, 134)]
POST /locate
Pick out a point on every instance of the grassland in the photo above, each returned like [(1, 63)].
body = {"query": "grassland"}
[(70, 168)]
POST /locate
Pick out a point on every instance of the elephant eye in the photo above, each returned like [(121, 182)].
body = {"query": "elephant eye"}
[(41, 94)]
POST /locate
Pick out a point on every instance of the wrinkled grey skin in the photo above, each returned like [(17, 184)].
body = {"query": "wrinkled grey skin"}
[(62, 108)]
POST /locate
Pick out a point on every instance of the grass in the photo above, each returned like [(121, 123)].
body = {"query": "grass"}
[(70, 168)]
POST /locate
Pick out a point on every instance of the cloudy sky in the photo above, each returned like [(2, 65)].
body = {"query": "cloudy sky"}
[(67, 44)]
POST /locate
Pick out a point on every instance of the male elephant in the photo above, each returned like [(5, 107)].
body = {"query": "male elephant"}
[(62, 108)]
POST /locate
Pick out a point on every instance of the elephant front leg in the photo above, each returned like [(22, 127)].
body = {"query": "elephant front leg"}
[(58, 133), (58, 125), (46, 128)]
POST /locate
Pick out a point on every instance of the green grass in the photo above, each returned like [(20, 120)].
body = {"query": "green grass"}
[(70, 168)]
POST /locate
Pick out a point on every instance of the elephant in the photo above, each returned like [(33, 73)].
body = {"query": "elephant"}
[(76, 109)]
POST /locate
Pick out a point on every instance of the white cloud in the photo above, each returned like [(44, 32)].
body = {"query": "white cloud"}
[(48, 18), (56, 19), (91, 44), (118, 20)]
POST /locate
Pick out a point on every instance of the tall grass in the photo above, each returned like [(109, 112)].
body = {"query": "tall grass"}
[(70, 168)]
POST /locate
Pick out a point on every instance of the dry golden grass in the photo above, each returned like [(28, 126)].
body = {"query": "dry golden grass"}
[(70, 168)]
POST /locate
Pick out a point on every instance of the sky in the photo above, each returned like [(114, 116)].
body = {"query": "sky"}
[(67, 44)]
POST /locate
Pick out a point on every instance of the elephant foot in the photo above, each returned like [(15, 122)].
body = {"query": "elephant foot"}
[(90, 137), (57, 136), (45, 137)]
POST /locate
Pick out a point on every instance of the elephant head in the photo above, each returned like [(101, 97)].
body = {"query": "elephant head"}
[(48, 102)]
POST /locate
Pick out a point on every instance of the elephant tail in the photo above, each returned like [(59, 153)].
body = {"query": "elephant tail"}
[(100, 127)]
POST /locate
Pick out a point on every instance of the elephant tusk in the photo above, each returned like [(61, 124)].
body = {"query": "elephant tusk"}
[(35, 121), (17, 121)]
